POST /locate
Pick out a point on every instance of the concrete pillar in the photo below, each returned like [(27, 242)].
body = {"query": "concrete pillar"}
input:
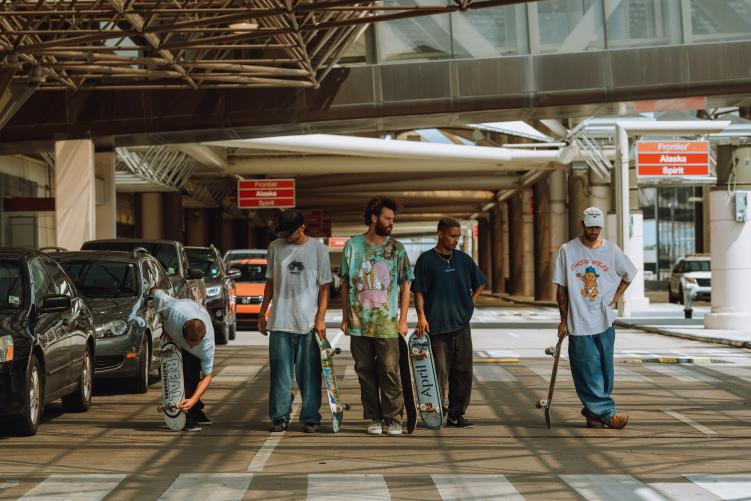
[(505, 235), (731, 242), (215, 230), (172, 204), (485, 248), (242, 234), (559, 222), (75, 206), (228, 235), (706, 229), (599, 192), (196, 227), (152, 220), (544, 260), (475, 245), (497, 277), (468, 248), (521, 240), (106, 207), (578, 196)]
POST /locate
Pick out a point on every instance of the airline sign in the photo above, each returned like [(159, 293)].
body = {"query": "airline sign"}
[(672, 159), (266, 193)]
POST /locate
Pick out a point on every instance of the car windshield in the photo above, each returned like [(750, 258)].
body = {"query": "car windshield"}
[(240, 255), (103, 279), (165, 253), (691, 266), (253, 273), (11, 284), (204, 260)]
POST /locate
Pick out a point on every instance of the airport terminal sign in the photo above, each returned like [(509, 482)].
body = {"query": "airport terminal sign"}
[(266, 193), (672, 159)]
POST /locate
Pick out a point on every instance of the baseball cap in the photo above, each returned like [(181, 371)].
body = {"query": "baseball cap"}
[(289, 221), (592, 216)]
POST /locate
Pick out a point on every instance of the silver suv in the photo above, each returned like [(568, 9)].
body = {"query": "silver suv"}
[(695, 270)]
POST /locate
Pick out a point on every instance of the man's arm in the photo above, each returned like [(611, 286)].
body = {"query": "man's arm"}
[(477, 292), (323, 305), (203, 385), (344, 295), (422, 320), (561, 297), (403, 308), (268, 295), (619, 292)]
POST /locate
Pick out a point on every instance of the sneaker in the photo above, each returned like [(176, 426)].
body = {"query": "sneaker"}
[(459, 422), (279, 426), (202, 418), (191, 426), (618, 422), (394, 428), (375, 427), (309, 428)]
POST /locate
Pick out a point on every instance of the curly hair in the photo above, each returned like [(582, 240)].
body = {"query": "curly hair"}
[(375, 207)]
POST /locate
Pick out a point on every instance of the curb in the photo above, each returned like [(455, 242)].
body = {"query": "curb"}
[(692, 337)]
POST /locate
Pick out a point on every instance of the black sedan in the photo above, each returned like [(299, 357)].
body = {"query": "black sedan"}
[(117, 287), (46, 339)]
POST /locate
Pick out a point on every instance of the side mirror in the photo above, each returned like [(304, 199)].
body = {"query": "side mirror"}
[(55, 303), (233, 273), (195, 274)]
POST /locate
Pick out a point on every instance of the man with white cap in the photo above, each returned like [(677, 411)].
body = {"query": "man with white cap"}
[(592, 274)]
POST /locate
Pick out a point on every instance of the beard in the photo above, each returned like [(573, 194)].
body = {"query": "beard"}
[(592, 237), (382, 230)]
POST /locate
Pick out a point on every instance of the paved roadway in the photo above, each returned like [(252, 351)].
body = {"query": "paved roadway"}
[(689, 435)]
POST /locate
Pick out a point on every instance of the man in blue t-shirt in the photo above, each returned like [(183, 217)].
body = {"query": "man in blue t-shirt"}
[(447, 285)]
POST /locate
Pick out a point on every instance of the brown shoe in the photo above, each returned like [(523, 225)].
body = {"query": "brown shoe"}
[(618, 422), (594, 422)]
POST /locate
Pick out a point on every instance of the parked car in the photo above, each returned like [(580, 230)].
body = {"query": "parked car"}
[(186, 282), (220, 298), (118, 289), (240, 254), (694, 269), (249, 289), (46, 339)]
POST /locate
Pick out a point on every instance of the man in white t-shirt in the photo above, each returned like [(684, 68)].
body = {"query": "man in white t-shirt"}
[(592, 274)]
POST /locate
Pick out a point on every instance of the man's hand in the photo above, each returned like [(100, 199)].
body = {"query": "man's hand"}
[(562, 330), (262, 324), (187, 404), (422, 326), (403, 330), (343, 327), (320, 329), (614, 302)]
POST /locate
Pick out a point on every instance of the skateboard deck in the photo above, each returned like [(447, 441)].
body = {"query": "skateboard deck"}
[(173, 385), (327, 366), (555, 352), (408, 391), (427, 392)]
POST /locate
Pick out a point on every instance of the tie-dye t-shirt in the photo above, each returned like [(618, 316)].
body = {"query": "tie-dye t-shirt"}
[(374, 274)]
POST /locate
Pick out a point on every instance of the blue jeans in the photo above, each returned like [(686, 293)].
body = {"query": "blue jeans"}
[(298, 352), (591, 360)]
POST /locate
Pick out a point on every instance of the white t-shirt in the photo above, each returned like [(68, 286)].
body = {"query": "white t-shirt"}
[(592, 276)]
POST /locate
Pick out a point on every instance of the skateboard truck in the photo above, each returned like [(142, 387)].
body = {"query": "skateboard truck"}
[(330, 352), (550, 350), (541, 404)]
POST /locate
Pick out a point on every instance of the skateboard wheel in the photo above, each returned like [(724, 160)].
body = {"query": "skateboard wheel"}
[(550, 351), (337, 351), (341, 407), (541, 404), (415, 351)]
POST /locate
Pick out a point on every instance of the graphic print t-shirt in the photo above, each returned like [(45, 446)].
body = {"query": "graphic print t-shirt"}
[(374, 274), (592, 276), (298, 271)]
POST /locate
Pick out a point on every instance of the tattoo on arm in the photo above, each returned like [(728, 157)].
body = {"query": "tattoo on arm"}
[(561, 298)]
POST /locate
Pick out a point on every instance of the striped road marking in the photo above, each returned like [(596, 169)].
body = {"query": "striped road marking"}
[(682, 491), (690, 422), (208, 486), (611, 487), (735, 371), (90, 487), (475, 488), (724, 486), (681, 373), (258, 463), (544, 371), (485, 373), (347, 487), (237, 373)]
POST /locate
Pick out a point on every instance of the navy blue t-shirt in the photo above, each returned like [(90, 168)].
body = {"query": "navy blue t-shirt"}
[(447, 288)]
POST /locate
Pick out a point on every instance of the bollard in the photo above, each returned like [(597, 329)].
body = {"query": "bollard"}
[(689, 293)]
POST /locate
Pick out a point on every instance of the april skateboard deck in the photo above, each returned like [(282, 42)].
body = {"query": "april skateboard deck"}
[(555, 352), (408, 391), (427, 392), (327, 366), (173, 385)]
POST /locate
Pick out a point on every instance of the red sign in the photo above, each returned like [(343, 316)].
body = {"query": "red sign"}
[(337, 242), (672, 159), (266, 193), (326, 227)]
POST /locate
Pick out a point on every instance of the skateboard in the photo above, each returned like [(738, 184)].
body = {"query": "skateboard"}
[(173, 385), (327, 366), (427, 392), (408, 390), (555, 352)]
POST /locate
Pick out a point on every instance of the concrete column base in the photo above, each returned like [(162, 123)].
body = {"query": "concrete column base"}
[(729, 321)]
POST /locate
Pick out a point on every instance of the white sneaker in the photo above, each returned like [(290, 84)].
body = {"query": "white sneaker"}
[(375, 427), (394, 429)]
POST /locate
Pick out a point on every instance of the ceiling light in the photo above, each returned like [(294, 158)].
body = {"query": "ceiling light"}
[(244, 26)]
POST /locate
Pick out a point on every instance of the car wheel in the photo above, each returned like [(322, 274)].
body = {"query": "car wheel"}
[(80, 400), (140, 382), (28, 421), (222, 334), (233, 331)]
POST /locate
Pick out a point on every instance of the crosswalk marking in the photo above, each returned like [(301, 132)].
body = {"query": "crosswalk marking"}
[(475, 488), (493, 373), (681, 373), (682, 491), (346, 487), (258, 463), (724, 486), (237, 373), (89, 487), (544, 371), (690, 422), (611, 487), (735, 371), (208, 486)]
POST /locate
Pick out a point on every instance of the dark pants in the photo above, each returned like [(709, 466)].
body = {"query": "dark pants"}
[(377, 368), (452, 353), (191, 375)]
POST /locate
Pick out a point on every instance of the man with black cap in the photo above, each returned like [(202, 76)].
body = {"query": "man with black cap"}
[(592, 274), (298, 275)]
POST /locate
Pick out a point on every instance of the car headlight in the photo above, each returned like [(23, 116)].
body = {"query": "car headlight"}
[(6, 348), (112, 328), (214, 290)]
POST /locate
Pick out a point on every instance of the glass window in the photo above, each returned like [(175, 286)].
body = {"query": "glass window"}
[(237, 255), (42, 284), (58, 278), (642, 23), (691, 266), (204, 260), (165, 253), (569, 25), (11, 284), (161, 278), (720, 20), (491, 32), (103, 279), (255, 273), (425, 37)]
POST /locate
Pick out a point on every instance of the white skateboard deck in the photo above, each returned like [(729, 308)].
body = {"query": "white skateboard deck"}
[(173, 385)]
